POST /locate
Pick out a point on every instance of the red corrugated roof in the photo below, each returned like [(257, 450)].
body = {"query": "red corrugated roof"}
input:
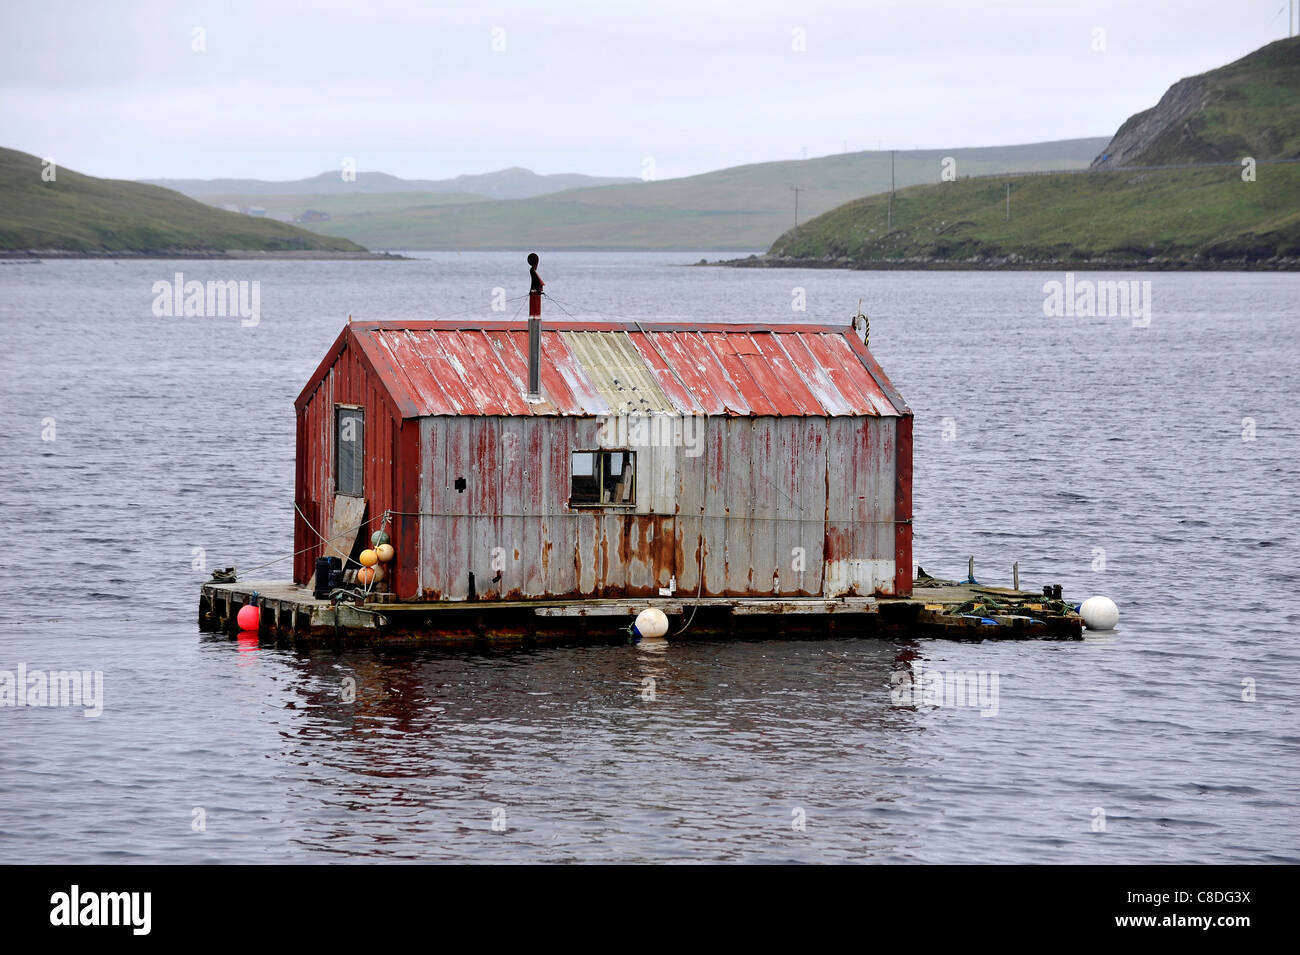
[(481, 368)]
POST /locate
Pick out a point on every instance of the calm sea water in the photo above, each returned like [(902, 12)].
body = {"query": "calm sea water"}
[(1107, 458)]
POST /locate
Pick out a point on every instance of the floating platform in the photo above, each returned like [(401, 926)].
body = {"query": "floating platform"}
[(959, 611)]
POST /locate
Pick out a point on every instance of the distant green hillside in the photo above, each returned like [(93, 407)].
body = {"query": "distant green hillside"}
[(1187, 216), (1122, 217), (77, 213), (512, 183), (349, 215), (738, 208), (343, 206)]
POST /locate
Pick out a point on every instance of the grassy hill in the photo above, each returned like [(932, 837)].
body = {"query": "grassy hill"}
[(349, 214), (1112, 216), (82, 214), (737, 208), (1154, 218), (512, 183), (1250, 107)]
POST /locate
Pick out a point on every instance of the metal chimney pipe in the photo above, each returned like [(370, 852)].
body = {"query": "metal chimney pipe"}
[(535, 292), (534, 357)]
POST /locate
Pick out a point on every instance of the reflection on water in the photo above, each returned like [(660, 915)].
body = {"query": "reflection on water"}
[(689, 745)]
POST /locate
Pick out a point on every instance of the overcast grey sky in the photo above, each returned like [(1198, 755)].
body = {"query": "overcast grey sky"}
[(285, 90)]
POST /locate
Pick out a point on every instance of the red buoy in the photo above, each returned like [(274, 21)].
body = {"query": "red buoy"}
[(249, 617)]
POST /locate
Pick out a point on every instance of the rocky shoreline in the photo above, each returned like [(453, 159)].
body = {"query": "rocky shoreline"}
[(1014, 263)]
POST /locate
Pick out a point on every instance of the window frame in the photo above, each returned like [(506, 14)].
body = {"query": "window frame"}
[(600, 455), (359, 471)]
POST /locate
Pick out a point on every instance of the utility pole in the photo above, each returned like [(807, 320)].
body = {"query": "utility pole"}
[(797, 190), (1008, 201)]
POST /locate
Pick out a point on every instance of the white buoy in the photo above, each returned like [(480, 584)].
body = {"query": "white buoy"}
[(651, 624), (1099, 613)]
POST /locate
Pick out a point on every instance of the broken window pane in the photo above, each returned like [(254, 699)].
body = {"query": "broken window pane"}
[(602, 477)]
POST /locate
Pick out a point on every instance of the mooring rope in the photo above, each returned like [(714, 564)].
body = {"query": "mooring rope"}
[(560, 306), (699, 545), (478, 308), (585, 308), (323, 538)]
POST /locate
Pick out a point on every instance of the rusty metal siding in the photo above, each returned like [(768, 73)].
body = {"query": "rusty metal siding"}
[(514, 507), (405, 526), (514, 469), (713, 506), (738, 504), (534, 557), (513, 530), (764, 487), (560, 531), (808, 484), (903, 508), (433, 575), (457, 528), (591, 554), (769, 502), (860, 533), (775, 502), (791, 506), (347, 380)]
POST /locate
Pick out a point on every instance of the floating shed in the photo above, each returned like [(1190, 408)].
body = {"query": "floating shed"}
[(654, 460)]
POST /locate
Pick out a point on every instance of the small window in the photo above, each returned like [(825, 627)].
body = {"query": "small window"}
[(349, 451), (602, 477)]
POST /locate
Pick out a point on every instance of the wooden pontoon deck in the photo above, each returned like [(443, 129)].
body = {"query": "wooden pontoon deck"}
[(293, 613)]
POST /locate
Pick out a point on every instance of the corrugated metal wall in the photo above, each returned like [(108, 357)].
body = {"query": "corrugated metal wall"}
[(780, 505), (860, 506), (348, 381)]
